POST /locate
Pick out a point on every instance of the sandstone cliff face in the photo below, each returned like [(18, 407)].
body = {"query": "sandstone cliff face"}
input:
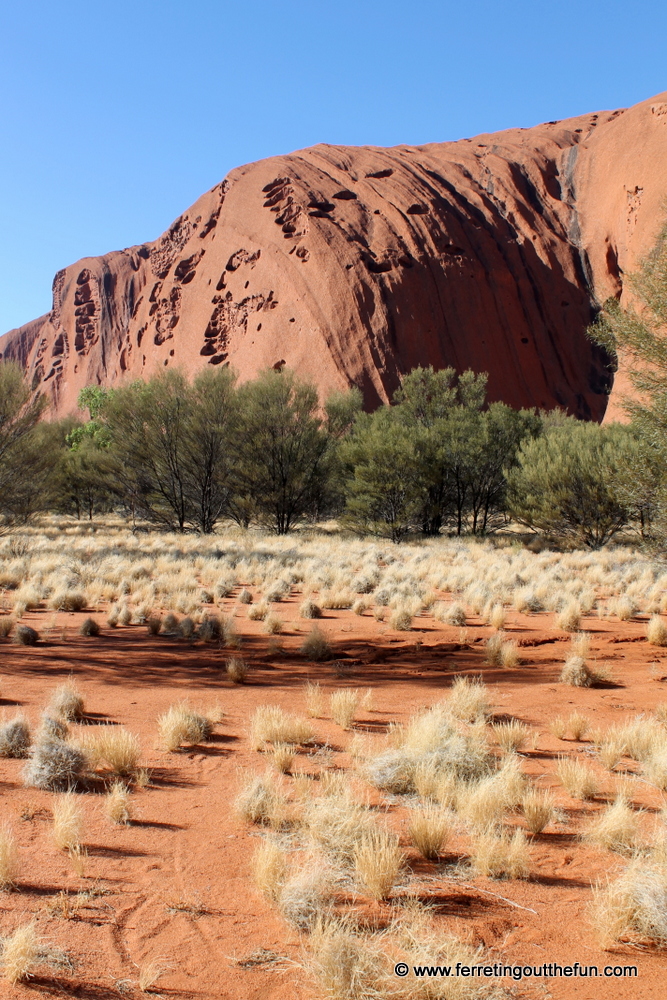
[(353, 265)]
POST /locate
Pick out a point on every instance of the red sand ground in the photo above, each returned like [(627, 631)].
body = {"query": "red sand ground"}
[(175, 884)]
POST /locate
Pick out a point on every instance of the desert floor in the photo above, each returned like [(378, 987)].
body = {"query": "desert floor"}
[(175, 884)]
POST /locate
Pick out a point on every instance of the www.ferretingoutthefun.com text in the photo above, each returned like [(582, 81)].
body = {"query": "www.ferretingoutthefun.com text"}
[(548, 970)]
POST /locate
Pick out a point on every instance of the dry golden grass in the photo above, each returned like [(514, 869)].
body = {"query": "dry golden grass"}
[(511, 736), (309, 609), (344, 705), (258, 612), (282, 757), (316, 646), (569, 617), (632, 906), (578, 725), (484, 804), (15, 737), (538, 810), (610, 751), (270, 724), (261, 801), (497, 617), (344, 963), (117, 803), (429, 829), (67, 703), (304, 895), (656, 631), (114, 746), (269, 868), (558, 727), (501, 856), (468, 699), (181, 726), (6, 625), (237, 670), (576, 673), (67, 821), (401, 620), (580, 644), (616, 828), (314, 699), (8, 858), (20, 952), (151, 973), (578, 780), (273, 624), (378, 861), (337, 822)]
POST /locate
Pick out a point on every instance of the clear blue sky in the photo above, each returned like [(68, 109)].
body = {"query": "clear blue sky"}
[(116, 116)]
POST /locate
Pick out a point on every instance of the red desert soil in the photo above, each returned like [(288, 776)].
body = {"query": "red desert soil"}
[(353, 265), (175, 885)]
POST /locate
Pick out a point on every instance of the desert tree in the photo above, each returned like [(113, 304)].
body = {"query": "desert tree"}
[(283, 452), (385, 461), (28, 449), (170, 447), (635, 337), (566, 482)]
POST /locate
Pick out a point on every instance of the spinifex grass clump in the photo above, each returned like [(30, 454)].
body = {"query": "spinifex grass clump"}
[(237, 670), (344, 706), (378, 861), (262, 801), (430, 740), (429, 829), (633, 907), (8, 858), (25, 636), (182, 726), (270, 724), (118, 803), (67, 702), (578, 780), (316, 645), (538, 810), (15, 737), (497, 855), (114, 746), (615, 828), (55, 765), (67, 821)]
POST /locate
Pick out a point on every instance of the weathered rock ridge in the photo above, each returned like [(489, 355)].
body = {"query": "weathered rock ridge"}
[(354, 264)]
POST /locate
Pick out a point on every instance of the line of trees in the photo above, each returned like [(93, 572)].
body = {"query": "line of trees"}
[(184, 455)]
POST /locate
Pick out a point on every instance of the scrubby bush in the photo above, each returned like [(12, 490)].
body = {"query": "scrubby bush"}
[(181, 726), (237, 670), (316, 645), (25, 636), (67, 703), (310, 610), (89, 627), (55, 766), (15, 737)]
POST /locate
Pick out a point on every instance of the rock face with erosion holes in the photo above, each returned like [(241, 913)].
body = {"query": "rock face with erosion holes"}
[(354, 265)]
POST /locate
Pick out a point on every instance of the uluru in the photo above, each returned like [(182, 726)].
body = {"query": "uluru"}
[(353, 265)]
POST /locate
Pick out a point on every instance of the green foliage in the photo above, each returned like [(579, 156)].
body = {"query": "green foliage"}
[(385, 488), (284, 453), (566, 482), (169, 447), (27, 453)]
